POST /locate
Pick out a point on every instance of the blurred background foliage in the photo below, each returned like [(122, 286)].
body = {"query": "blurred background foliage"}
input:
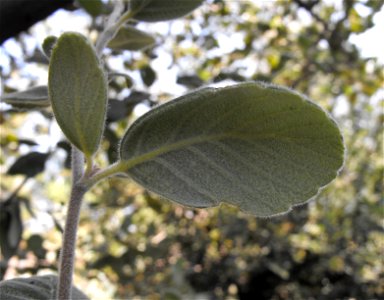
[(134, 245)]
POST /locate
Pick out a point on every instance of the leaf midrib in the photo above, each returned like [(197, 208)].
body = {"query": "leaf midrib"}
[(130, 163)]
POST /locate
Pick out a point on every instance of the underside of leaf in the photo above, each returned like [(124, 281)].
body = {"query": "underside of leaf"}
[(259, 147)]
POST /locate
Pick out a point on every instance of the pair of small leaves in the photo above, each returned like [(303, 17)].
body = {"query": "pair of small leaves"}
[(259, 147), (36, 287)]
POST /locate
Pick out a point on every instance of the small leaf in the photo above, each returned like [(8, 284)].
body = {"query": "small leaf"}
[(93, 7), (162, 10), (262, 148), (29, 165), (35, 287), (130, 38), (15, 226), (48, 44), (190, 81), (148, 75), (78, 91), (36, 97), (11, 227)]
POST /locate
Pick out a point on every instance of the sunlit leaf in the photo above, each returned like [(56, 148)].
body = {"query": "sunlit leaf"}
[(259, 147), (162, 10), (78, 91), (36, 97), (130, 38), (36, 287)]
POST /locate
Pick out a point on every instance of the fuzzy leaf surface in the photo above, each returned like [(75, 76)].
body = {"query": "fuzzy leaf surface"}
[(35, 287), (130, 38), (162, 10), (78, 91), (36, 97), (262, 148)]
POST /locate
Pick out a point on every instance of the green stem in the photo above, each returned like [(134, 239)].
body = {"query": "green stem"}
[(103, 174)]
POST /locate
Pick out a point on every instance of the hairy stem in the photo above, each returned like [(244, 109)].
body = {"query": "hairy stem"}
[(67, 255), (110, 28), (77, 164)]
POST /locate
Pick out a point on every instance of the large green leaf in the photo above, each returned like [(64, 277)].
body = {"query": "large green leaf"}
[(36, 97), (130, 38), (36, 287), (78, 91), (162, 10), (262, 148)]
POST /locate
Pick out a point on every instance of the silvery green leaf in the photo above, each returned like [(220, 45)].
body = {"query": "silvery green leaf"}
[(260, 147), (162, 10), (36, 97), (130, 38), (35, 287), (77, 89)]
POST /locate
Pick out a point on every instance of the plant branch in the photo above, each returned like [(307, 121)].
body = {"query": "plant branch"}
[(67, 255), (77, 164), (102, 174), (110, 29)]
